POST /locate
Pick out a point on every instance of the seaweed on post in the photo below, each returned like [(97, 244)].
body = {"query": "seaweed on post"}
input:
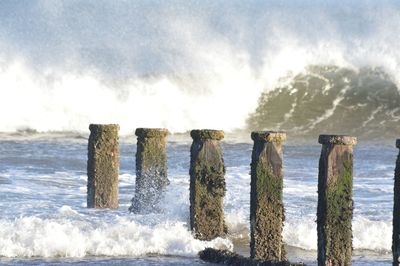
[(103, 166), (151, 169), (266, 202), (207, 185), (335, 204)]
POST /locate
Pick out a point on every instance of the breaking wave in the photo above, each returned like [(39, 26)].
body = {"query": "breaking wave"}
[(34, 236), (333, 100), (184, 65)]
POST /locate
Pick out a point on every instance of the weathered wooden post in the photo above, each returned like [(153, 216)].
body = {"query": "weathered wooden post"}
[(151, 169), (266, 203), (335, 204), (396, 212), (207, 184), (103, 166)]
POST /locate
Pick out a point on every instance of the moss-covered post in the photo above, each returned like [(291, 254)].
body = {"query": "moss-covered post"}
[(103, 166), (396, 212), (151, 169), (207, 184), (335, 204), (266, 203)]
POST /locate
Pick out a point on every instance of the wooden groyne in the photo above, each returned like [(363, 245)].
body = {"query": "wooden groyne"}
[(266, 203), (335, 203), (151, 169), (103, 166), (207, 184), (396, 211), (208, 188)]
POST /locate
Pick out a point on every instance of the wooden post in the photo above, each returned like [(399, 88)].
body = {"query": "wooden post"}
[(335, 204), (266, 203), (396, 211), (207, 184), (151, 169), (103, 166)]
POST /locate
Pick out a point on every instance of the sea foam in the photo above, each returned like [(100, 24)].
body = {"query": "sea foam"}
[(301, 232), (179, 66), (34, 236)]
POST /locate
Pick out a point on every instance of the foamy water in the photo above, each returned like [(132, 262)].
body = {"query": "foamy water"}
[(186, 65), (44, 214), (67, 236), (174, 65)]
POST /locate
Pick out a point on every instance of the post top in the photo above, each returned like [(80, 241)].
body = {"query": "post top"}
[(268, 136), (203, 134), (151, 132), (103, 127), (337, 139), (398, 143)]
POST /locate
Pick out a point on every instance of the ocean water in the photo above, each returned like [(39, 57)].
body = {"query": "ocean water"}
[(44, 218), (306, 67), (184, 64)]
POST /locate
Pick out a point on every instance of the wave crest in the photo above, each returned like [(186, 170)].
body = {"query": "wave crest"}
[(33, 236), (334, 100)]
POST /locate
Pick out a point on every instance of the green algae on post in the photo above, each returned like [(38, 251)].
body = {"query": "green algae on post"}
[(266, 203), (226, 257), (335, 203), (103, 166), (151, 169), (207, 184), (396, 211)]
